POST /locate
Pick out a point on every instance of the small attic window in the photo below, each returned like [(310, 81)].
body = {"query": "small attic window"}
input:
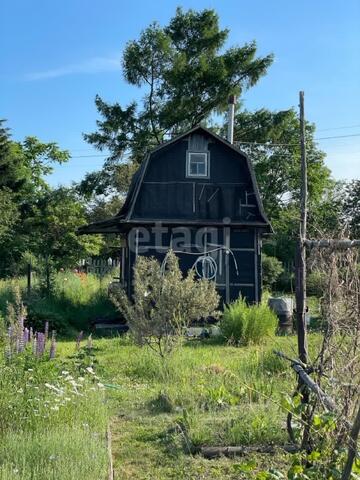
[(197, 164)]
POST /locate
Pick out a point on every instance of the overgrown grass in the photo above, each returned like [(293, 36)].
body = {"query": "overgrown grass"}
[(76, 301), (61, 454), (53, 419), (206, 393), (248, 324), (212, 394)]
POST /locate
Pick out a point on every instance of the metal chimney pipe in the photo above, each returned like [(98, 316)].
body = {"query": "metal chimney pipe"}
[(231, 114)]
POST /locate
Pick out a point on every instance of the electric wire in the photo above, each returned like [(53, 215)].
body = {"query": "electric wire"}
[(267, 144)]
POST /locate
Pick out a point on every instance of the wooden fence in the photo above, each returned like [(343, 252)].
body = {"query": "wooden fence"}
[(100, 266)]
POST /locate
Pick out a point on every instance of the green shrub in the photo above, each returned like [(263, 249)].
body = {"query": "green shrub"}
[(243, 324), (316, 283), (43, 311), (285, 282), (76, 301), (164, 303), (272, 268), (233, 322)]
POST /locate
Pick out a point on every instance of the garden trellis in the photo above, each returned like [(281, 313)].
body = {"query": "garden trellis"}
[(348, 285)]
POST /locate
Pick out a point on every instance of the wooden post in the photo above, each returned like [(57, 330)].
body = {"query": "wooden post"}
[(227, 264), (29, 278), (300, 259), (354, 435)]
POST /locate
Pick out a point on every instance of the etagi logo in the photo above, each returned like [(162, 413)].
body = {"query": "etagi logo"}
[(160, 238)]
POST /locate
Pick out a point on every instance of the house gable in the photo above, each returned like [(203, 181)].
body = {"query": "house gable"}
[(165, 192)]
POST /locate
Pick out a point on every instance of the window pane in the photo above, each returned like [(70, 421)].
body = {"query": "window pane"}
[(193, 169), (201, 169), (198, 157), (197, 164)]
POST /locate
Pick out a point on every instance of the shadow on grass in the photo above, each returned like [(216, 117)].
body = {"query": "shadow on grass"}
[(217, 340)]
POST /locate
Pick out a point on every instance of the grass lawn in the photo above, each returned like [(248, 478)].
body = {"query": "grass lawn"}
[(53, 419), (219, 395), (207, 394)]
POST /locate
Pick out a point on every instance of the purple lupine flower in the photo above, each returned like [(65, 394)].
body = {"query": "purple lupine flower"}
[(20, 341), (34, 344), (78, 340), (26, 336), (40, 347), (10, 333), (46, 330), (53, 346), (31, 334), (21, 323), (42, 343)]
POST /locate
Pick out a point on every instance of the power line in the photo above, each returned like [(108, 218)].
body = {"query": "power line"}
[(337, 128), (339, 136), (267, 144), (88, 156)]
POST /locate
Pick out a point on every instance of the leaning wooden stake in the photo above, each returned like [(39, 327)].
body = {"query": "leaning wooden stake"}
[(305, 378), (354, 435), (215, 452), (300, 260)]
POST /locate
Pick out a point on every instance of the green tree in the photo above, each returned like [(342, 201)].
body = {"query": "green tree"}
[(272, 269), (34, 218), (8, 214), (351, 207), (12, 174), (186, 75), (59, 213), (12, 178), (271, 139)]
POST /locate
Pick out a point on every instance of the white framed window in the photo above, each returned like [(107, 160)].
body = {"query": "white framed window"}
[(197, 164)]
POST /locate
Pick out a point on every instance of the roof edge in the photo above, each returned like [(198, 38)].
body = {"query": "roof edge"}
[(225, 142)]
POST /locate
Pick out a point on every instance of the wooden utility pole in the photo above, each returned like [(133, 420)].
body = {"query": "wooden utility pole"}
[(300, 260)]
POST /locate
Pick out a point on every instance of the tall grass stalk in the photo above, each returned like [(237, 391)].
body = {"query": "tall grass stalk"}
[(243, 325)]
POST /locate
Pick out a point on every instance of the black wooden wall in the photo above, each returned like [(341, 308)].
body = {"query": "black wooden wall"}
[(237, 271), (167, 193)]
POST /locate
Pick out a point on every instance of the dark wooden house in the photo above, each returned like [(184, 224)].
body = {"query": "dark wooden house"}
[(197, 195)]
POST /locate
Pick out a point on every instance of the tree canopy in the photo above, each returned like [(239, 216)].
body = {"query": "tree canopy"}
[(37, 219), (185, 71), (186, 74), (272, 141)]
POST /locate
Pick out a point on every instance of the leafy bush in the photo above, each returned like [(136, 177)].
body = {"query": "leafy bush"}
[(76, 300), (243, 324), (165, 302), (43, 311), (285, 282), (272, 268), (315, 283)]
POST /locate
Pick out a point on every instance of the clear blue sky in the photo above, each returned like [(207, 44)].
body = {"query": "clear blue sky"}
[(56, 55)]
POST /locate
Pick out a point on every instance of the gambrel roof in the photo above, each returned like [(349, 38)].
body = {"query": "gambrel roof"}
[(131, 213)]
